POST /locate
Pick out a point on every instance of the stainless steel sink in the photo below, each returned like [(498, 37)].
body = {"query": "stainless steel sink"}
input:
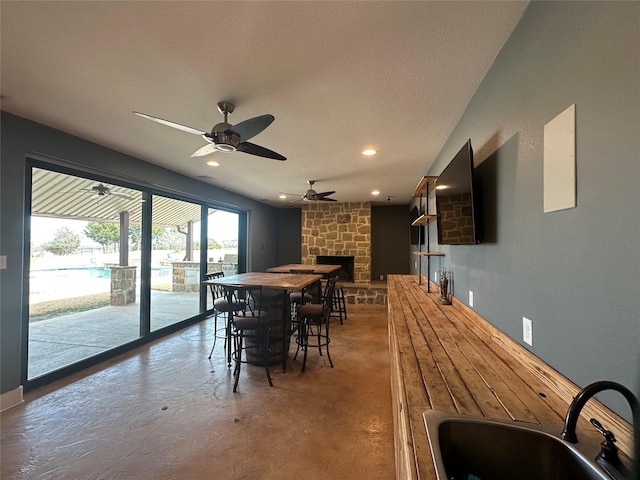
[(469, 448)]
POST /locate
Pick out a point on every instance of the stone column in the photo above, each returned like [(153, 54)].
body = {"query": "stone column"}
[(123, 286), (186, 277)]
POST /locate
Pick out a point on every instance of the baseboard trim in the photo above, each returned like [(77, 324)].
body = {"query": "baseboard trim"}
[(11, 398)]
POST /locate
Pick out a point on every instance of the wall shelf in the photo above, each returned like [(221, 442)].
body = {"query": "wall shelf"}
[(425, 186), (423, 219)]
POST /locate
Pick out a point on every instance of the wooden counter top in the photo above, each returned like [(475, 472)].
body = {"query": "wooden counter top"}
[(445, 357)]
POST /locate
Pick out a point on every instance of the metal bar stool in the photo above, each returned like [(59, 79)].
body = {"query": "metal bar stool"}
[(316, 315), (251, 334), (339, 305), (222, 307), (298, 298)]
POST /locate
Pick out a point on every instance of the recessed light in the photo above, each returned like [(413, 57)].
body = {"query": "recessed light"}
[(375, 192), (213, 163), (369, 151), (442, 187), (282, 196)]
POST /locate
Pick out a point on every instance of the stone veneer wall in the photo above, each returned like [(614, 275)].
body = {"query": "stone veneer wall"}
[(363, 294), (123, 286), (338, 229)]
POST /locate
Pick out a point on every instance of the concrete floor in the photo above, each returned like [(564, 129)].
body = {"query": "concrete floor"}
[(164, 411), (66, 339)]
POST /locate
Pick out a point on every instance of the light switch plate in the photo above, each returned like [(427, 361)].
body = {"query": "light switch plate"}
[(470, 298), (3, 262)]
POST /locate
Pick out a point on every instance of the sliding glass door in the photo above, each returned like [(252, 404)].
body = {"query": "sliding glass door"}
[(83, 269), (175, 264), (111, 264)]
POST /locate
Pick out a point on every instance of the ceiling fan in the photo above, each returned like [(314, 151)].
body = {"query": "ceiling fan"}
[(312, 196), (100, 191), (225, 137)]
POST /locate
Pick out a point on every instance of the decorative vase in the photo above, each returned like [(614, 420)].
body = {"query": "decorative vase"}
[(444, 288)]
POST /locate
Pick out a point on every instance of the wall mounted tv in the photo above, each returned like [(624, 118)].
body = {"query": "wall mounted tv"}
[(457, 205)]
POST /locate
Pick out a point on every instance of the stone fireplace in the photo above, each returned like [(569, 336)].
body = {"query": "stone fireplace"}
[(346, 263), (338, 230), (342, 231)]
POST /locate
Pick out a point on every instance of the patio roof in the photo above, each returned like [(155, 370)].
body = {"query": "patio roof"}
[(59, 195)]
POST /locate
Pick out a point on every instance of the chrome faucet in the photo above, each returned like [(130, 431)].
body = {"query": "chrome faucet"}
[(608, 458)]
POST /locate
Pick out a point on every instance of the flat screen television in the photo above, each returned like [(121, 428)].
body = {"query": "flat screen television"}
[(457, 205)]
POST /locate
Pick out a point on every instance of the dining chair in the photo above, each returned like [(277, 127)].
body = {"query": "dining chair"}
[(316, 315)]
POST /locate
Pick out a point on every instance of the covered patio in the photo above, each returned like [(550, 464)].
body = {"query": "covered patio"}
[(60, 341)]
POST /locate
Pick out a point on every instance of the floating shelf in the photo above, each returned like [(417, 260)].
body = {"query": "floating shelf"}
[(425, 186), (429, 254), (423, 219)]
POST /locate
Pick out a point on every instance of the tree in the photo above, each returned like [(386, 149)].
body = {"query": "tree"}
[(170, 239), (214, 245), (64, 242), (103, 233), (135, 234)]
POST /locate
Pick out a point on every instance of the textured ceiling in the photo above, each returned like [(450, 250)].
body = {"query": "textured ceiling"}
[(337, 76)]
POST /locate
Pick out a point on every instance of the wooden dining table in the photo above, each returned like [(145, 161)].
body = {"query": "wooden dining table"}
[(322, 269), (278, 281)]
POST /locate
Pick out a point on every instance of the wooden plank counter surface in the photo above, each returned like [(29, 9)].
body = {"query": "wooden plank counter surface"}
[(446, 357)]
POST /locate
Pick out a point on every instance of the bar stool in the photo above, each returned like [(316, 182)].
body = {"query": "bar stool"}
[(298, 298), (250, 331), (316, 315), (222, 307), (339, 305)]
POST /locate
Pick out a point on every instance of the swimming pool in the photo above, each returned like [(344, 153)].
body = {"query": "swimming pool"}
[(55, 283)]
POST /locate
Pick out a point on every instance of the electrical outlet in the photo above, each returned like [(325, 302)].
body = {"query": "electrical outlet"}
[(381, 277), (470, 298), (3, 262), (527, 331)]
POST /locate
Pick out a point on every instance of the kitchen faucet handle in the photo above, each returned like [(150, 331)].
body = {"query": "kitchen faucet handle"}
[(608, 434), (609, 451)]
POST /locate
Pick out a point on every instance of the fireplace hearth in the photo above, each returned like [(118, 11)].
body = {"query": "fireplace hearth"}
[(346, 263)]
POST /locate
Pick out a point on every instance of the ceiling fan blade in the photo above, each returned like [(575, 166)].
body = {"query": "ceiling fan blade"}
[(208, 149), (184, 128), (327, 199), (253, 149), (250, 128), (325, 194), (121, 195)]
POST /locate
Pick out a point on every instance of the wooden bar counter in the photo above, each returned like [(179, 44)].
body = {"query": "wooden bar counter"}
[(446, 357)]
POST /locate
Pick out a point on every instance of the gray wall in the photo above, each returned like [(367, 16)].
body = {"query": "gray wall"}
[(389, 240), (20, 136), (290, 239), (573, 272)]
